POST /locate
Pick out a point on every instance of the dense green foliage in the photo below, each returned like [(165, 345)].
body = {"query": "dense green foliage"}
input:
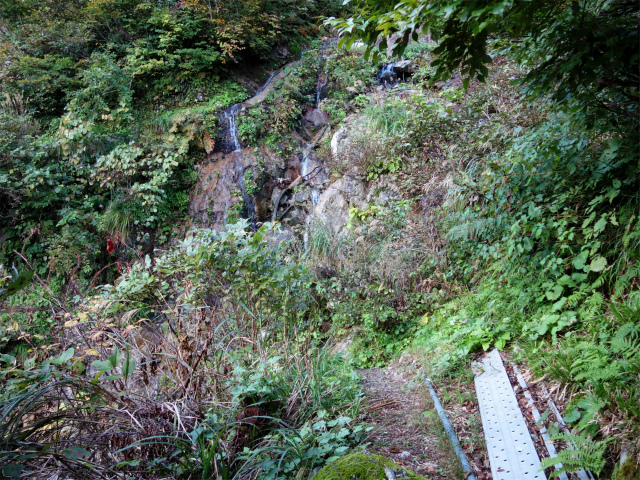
[(232, 350), (272, 121), (540, 224), (584, 49), (502, 210), (102, 117)]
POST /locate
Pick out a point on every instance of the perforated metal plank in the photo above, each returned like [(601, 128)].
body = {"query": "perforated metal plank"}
[(536, 416), (511, 451)]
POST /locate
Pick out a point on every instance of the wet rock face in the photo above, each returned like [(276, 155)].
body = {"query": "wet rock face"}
[(221, 187), (395, 72), (248, 183), (228, 140), (313, 121)]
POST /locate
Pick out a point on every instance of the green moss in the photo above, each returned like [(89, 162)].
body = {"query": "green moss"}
[(360, 466), (628, 471)]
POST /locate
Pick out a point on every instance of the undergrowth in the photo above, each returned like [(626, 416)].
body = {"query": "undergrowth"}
[(205, 363), (521, 234)]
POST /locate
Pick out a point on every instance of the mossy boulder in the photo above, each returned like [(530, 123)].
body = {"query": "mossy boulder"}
[(362, 466), (629, 470)]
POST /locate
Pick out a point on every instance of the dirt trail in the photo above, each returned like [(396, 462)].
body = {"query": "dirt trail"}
[(402, 432)]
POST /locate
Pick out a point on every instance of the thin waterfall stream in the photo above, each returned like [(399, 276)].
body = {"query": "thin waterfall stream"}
[(322, 75), (310, 169), (231, 142), (230, 116)]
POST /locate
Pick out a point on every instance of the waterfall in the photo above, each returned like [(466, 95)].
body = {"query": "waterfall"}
[(322, 76), (322, 82), (315, 197), (304, 169), (230, 116), (387, 74), (261, 89)]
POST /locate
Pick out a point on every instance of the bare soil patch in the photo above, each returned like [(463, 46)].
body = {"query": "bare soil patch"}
[(402, 431)]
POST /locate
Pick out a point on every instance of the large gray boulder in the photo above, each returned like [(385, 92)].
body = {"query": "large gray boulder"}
[(334, 203), (404, 66)]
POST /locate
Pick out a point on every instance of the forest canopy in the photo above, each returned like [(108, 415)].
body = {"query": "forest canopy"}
[(585, 50)]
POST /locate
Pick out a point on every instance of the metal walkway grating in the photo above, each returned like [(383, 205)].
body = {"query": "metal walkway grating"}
[(511, 451)]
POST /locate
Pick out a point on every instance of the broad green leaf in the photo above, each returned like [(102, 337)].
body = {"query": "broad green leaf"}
[(64, 357), (559, 304), (571, 415), (598, 264), (588, 220), (319, 425), (12, 470), (102, 365), (18, 283), (115, 357), (555, 292), (76, 453), (128, 366), (8, 359), (580, 260), (600, 224)]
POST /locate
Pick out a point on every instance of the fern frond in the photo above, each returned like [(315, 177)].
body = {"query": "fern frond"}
[(593, 305), (598, 282), (480, 229), (623, 283), (627, 340), (575, 298), (583, 453)]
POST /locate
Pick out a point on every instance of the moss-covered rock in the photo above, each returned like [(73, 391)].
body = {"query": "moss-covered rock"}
[(629, 470), (362, 466)]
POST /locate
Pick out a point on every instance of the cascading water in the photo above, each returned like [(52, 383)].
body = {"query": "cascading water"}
[(230, 115), (305, 171), (322, 76), (261, 89), (314, 196), (231, 142), (387, 75)]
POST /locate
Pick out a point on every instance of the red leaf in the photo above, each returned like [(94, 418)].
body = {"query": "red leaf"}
[(209, 143), (110, 247)]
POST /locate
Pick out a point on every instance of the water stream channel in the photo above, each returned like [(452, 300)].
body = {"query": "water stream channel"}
[(310, 170)]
